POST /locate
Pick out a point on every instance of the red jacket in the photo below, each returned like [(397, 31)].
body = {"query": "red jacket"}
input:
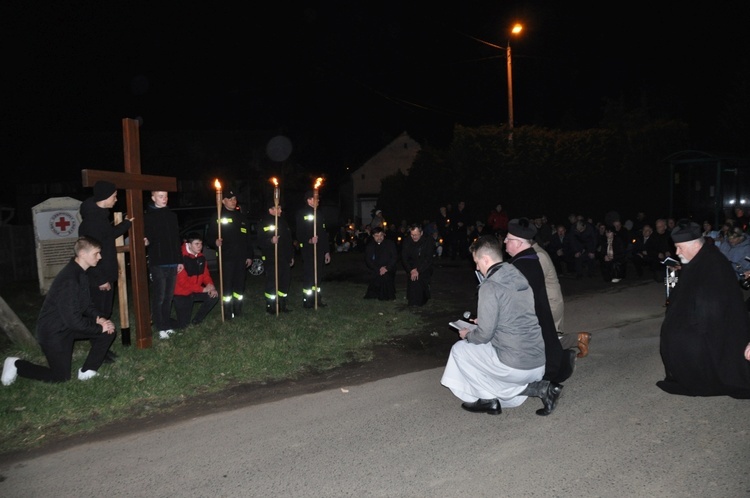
[(498, 220), (195, 277)]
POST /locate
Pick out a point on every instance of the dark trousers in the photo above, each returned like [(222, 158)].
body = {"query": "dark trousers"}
[(285, 277), (382, 287), (234, 272), (584, 264), (59, 353), (418, 291), (162, 293), (183, 305), (308, 275)]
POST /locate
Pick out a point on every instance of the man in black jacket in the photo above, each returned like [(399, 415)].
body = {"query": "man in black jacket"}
[(67, 315), (314, 241), (277, 245), (381, 258), (96, 224), (236, 252), (416, 257), (164, 260)]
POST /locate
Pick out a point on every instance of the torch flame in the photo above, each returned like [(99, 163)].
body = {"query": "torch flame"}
[(217, 184), (275, 182), (318, 183)]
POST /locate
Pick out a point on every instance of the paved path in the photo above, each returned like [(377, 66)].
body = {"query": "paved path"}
[(614, 434)]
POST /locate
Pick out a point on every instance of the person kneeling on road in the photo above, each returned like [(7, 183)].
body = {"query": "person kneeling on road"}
[(502, 361), (67, 315)]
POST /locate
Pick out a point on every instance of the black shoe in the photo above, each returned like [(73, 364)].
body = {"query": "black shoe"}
[(110, 357), (550, 399), (489, 406)]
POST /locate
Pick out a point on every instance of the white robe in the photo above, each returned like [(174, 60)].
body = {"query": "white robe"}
[(474, 371)]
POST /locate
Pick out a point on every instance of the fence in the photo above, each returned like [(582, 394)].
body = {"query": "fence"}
[(17, 253)]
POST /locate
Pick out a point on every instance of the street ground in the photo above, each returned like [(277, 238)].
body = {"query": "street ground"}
[(453, 282)]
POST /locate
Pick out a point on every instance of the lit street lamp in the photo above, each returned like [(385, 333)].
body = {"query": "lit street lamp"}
[(516, 29)]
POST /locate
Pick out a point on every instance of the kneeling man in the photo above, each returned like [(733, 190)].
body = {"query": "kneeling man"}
[(67, 315), (501, 362), (706, 329)]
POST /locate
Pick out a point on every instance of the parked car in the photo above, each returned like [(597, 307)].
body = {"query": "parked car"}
[(200, 225)]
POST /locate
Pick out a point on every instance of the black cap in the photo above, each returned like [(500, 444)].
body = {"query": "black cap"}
[(522, 228), (228, 194), (103, 190), (686, 230), (309, 194)]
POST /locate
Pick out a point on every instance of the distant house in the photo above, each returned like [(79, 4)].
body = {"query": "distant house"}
[(360, 195)]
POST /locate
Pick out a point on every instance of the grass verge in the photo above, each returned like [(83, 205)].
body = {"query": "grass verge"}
[(201, 359)]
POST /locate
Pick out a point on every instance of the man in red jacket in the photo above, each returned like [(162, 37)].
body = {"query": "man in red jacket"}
[(194, 284)]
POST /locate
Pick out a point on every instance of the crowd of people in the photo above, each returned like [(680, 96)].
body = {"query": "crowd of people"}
[(516, 347)]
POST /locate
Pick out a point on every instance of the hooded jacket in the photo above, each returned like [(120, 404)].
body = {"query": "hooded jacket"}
[(96, 224), (195, 275)]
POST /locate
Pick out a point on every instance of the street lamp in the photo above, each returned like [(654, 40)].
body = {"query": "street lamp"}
[(517, 28)]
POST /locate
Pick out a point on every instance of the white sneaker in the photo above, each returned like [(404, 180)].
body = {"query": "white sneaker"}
[(163, 334), (10, 372), (88, 374), (170, 332), (615, 280)]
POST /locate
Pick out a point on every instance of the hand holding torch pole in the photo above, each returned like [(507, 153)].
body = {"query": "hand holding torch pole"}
[(218, 221), (276, 236), (317, 185)]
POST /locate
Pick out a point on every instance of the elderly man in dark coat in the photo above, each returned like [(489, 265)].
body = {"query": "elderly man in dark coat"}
[(706, 327), (518, 243)]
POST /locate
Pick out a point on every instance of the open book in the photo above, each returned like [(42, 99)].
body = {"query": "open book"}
[(670, 262), (461, 324)]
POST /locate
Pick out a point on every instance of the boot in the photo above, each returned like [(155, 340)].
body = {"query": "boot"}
[(271, 306), (282, 305), (228, 315), (548, 391), (237, 308)]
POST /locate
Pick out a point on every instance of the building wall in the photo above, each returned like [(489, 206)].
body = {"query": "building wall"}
[(366, 180)]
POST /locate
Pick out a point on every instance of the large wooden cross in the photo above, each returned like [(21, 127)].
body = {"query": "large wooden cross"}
[(134, 184)]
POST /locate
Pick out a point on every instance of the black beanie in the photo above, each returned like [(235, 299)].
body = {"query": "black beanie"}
[(102, 190)]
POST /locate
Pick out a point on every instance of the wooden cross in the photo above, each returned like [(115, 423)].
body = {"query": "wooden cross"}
[(134, 184)]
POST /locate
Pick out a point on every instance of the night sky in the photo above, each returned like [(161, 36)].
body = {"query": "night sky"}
[(344, 78)]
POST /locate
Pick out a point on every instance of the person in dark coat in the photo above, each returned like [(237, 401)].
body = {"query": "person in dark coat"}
[(584, 242), (314, 243), (96, 224), (381, 258), (416, 257), (276, 237), (163, 242), (706, 327), (236, 252), (518, 243), (612, 255), (67, 315)]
